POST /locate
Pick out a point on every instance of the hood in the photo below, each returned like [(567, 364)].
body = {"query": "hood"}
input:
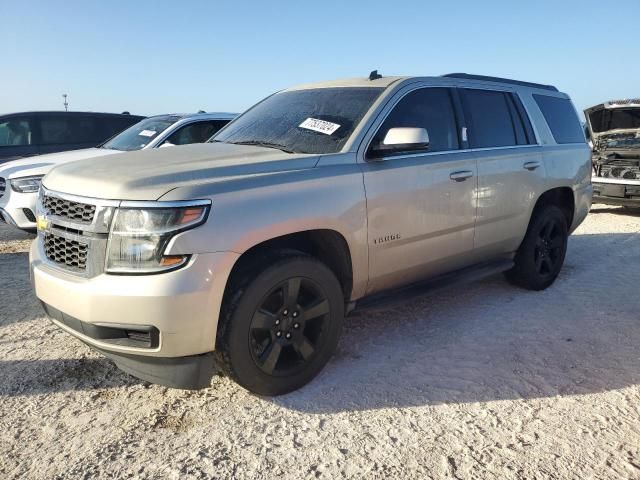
[(615, 130), (613, 117), (149, 174), (41, 164)]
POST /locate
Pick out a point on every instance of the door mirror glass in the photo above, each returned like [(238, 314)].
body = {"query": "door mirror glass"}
[(402, 140)]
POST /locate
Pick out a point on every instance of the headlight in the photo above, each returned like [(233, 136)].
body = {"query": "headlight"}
[(139, 236), (26, 184)]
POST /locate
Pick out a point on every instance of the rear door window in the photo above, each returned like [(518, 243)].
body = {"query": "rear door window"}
[(197, 132), (429, 108), (494, 119), (17, 132), (561, 118)]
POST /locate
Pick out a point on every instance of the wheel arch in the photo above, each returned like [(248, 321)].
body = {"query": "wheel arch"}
[(327, 245), (563, 198)]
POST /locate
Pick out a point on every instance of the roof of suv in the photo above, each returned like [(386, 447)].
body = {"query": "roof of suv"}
[(384, 82), (56, 112), (349, 82)]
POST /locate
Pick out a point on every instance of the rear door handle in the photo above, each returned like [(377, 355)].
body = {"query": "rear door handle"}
[(460, 176), (531, 166)]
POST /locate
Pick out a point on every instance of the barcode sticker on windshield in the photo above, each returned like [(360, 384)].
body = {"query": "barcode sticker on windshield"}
[(147, 133), (321, 126)]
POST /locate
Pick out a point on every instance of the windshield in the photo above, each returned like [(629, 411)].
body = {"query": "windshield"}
[(615, 119), (139, 135), (303, 121)]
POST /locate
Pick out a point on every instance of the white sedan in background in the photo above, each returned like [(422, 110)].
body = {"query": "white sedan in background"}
[(20, 179)]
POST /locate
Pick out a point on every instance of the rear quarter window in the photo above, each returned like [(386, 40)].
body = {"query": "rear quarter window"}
[(561, 118)]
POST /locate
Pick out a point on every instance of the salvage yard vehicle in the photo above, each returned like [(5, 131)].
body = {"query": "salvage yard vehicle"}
[(245, 253), (37, 133), (20, 179), (615, 131)]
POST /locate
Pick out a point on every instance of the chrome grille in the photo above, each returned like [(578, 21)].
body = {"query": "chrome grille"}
[(64, 251), (75, 211), (3, 186), (75, 231)]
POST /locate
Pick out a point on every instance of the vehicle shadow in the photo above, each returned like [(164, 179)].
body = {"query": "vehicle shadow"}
[(601, 208), (18, 303), (490, 341), (34, 377), (11, 234), (479, 342)]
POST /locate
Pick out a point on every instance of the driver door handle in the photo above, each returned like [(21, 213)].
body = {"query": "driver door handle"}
[(531, 166), (460, 176)]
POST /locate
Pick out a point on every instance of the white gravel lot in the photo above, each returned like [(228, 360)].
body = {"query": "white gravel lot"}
[(480, 381)]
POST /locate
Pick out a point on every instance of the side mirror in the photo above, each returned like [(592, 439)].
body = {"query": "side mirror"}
[(402, 140), (167, 144)]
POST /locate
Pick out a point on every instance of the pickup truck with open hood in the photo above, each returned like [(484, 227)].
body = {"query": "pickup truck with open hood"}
[(615, 134)]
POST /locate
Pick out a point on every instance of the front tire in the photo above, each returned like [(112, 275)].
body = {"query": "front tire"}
[(541, 254), (281, 324)]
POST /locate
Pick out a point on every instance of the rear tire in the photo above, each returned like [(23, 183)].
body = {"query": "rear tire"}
[(280, 324), (541, 254)]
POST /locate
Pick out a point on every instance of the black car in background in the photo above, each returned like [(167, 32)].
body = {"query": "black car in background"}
[(36, 133)]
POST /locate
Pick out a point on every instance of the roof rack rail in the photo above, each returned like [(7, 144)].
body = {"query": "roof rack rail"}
[(468, 76)]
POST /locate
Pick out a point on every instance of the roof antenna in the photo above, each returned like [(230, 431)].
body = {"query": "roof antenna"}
[(374, 75)]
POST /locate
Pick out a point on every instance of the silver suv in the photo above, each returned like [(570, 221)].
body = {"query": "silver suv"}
[(246, 252)]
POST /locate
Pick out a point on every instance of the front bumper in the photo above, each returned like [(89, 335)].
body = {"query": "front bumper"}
[(180, 310), (189, 372), (18, 209), (611, 191)]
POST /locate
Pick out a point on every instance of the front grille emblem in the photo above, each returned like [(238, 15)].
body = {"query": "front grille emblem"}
[(42, 223)]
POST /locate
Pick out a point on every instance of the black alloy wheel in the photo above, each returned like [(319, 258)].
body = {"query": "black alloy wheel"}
[(280, 323), (287, 327), (549, 247), (540, 257)]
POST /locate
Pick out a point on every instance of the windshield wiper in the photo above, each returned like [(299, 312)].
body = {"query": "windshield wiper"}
[(257, 143)]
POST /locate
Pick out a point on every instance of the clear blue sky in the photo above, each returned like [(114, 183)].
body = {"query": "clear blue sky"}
[(164, 56)]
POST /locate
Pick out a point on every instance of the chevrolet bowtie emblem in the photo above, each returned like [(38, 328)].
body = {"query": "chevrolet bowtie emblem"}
[(42, 223)]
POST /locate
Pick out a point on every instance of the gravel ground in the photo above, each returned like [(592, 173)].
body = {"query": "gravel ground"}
[(484, 381)]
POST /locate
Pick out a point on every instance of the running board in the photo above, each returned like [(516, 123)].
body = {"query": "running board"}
[(459, 277)]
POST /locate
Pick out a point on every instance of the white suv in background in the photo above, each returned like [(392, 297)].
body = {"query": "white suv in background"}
[(20, 179)]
